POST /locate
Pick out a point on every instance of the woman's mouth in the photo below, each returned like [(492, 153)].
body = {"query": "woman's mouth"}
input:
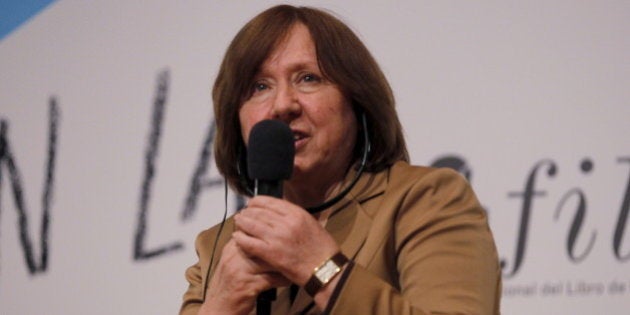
[(298, 138)]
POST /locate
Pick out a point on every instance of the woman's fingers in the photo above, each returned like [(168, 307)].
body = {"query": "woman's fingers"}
[(284, 236), (251, 246), (238, 280)]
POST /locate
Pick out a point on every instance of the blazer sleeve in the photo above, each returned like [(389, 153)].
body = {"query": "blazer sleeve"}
[(446, 260), (196, 274), (193, 297)]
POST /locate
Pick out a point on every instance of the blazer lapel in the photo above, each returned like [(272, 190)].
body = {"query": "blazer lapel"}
[(349, 225)]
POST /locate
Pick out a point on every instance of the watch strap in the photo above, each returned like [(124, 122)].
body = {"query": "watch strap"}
[(324, 273)]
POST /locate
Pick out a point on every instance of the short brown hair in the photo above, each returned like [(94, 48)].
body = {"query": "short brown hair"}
[(343, 59)]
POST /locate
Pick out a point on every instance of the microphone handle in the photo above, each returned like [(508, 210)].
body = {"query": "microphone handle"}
[(263, 302), (268, 188), (271, 188)]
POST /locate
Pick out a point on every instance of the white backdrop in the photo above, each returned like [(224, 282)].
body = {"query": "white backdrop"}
[(533, 92)]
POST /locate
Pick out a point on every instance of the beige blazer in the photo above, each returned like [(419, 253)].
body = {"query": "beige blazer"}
[(419, 241)]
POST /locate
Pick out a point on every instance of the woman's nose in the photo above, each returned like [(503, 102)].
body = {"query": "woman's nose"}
[(286, 104)]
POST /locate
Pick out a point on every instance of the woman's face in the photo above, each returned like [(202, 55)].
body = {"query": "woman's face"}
[(290, 87)]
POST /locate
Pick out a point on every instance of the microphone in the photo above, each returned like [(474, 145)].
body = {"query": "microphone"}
[(270, 153)]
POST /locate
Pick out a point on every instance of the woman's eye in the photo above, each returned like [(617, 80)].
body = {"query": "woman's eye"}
[(310, 78), (259, 86)]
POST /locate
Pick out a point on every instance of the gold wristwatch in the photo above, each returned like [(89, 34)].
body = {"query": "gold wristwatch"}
[(324, 273)]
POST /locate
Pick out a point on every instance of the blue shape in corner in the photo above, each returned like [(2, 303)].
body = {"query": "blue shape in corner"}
[(14, 13)]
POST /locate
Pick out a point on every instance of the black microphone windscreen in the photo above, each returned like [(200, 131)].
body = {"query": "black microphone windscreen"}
[(270, 151)]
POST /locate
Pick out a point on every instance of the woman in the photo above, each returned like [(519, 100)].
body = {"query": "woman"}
[(403, 240)]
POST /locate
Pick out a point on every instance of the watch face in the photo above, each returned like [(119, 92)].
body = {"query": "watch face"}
[(327, 271)]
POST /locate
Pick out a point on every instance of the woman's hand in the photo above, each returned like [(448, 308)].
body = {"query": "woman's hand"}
[(284, 236), (237, 281)]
